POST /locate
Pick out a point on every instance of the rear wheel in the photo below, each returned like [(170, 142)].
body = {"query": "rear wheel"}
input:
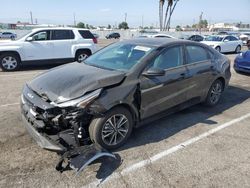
[(238, 49), (9, 62), (112, 130), (81, 56), (214, 93)]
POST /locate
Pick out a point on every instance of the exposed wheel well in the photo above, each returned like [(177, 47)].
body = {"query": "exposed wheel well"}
[(13, 52)]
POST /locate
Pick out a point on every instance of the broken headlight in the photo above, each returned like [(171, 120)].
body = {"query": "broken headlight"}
[(80, 102)]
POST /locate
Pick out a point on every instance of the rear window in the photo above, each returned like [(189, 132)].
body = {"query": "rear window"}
[(86, 34), (62, 34)]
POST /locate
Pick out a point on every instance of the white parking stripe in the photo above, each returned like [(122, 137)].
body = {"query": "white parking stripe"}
[(19, 74), (167, 152), (6, 105)]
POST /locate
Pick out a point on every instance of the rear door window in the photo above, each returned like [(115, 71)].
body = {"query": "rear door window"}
[(86, 34), (196, 54), (62, 35)]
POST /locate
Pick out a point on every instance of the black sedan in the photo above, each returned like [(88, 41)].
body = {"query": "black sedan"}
[(118, 88), (196, 38), (113, 36)]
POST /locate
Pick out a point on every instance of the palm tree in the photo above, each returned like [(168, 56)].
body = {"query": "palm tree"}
[(168, 14), (161, 4), (170, 3)]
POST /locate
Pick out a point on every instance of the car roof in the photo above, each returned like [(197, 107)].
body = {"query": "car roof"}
[(158, 42), (59, 28)]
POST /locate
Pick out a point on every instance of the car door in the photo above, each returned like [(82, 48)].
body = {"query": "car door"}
[(200, 69), (62, 41), (227, 44), (159, 93), (39, 48), (234, 43)]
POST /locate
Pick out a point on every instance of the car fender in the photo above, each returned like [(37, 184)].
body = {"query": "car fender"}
[(16, 49), (89, 46)]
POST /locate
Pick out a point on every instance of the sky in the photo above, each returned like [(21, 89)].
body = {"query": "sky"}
[(104, 12)]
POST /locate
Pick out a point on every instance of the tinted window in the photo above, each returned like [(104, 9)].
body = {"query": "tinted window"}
[(6, 33), (196, 54), (86, 34), (233, 38), (42, 35), (62, 34), (170, 58), (227, 38)]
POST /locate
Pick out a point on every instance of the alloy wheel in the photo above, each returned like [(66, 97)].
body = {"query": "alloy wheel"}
[(216, 93), (82, 57), (115, 129), (9, 62)]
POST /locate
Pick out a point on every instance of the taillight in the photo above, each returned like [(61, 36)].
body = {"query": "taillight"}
[(95, 40)]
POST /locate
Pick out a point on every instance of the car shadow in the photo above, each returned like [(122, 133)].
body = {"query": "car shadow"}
[(168, 126), (172, 124)]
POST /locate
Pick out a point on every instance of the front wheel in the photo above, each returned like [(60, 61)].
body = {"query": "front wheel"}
[(112, 130), (238, 49), (9, 62), (214, 93), (218, 49)]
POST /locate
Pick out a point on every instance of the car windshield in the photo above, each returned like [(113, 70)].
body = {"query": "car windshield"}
[(214, 38), (118, 56)]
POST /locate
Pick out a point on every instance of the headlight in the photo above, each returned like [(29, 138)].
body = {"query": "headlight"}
[(80, 102)]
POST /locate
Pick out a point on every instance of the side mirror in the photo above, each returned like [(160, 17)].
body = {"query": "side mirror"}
[(29, 39), (226, 40), (154, 72)]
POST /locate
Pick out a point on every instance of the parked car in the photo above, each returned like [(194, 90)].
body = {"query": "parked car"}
[(242, 62), (118, 88), (113, 36), (196, 38), (159, 35), (8, 35), (224, 43), (47, 46), (245, 37), (233, 33)]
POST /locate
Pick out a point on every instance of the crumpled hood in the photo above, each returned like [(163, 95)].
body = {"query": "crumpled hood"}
[(72, 81)]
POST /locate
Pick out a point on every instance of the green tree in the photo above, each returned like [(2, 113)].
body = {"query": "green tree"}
[(203, 24), (80, 25), (178, 28), (123, 25), (109, 26)]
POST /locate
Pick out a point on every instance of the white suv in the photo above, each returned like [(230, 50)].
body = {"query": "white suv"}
[(47, 45)]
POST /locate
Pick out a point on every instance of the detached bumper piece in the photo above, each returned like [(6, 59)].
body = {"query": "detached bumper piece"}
[(79, 158)]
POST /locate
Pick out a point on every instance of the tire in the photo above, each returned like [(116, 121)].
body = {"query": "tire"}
[(110, 135), (218, 48), (214, 93), (238, 49), (81, 56), (10, 62)]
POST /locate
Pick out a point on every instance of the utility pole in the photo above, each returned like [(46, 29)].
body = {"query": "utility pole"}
[(126, 17), (74, 19), (200, 21), (31, 18), (142, 20)]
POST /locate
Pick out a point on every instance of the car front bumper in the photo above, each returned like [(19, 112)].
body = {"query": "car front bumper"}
[(42, 140)]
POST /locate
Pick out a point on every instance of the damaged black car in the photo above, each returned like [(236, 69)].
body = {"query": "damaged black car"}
[(118, 88)]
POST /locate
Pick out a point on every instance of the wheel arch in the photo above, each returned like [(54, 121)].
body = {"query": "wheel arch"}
[(11, 51), (83, 49)]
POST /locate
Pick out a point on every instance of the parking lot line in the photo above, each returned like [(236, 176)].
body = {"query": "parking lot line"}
[(20, 74), (167, 152), (11, 104)]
